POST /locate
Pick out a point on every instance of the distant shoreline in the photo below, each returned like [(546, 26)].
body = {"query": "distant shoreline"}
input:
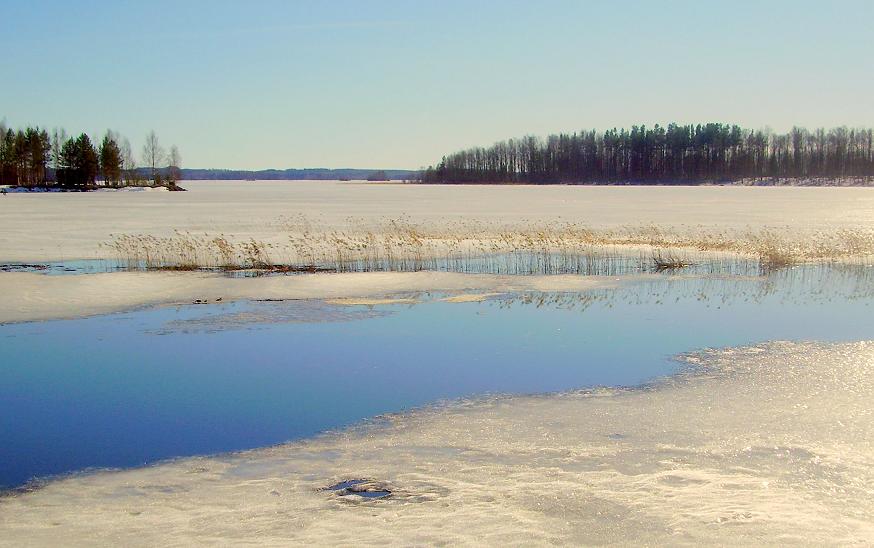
[(793, 182), (847, 182), (53, 188)]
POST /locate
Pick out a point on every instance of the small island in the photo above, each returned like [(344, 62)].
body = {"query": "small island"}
[(32, 160)]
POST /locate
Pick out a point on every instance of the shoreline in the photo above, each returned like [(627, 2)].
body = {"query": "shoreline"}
[(689, 366), (54, 189), (656, 463), (793, 182), (30, 296), (37, 297)]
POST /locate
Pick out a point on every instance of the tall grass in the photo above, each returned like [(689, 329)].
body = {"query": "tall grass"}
[(399, 245)]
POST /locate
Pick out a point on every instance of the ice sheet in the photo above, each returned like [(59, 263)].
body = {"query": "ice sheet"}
[(768, 444)]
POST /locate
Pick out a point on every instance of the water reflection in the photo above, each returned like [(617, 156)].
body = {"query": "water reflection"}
[(595, 262), (126, 389), (806, 283)]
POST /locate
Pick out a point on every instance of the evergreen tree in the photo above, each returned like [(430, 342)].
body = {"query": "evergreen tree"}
[(79, 163), (8, 161), (37, 155), (21, 155), (110, 160)]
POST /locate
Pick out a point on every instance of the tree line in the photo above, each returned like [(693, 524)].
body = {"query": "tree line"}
[(712, 152), (312, 174), (32, 158)]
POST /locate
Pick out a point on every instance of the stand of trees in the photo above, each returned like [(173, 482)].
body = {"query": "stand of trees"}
[(710, 152), (31, 158), (23, 156), (79, 163)]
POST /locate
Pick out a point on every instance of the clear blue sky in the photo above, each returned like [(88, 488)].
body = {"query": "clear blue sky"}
[(258, 84)]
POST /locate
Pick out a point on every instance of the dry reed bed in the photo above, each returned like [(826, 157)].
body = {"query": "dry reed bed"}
[(400, 245)]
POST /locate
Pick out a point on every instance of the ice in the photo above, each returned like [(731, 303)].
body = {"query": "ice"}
[(767, 444)]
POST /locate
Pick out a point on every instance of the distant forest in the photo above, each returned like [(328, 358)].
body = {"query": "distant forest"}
[(676, 154), (318, 174)]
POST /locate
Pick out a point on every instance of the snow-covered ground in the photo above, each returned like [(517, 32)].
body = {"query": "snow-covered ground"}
[(766, 445), (58, 226), (134, 189)]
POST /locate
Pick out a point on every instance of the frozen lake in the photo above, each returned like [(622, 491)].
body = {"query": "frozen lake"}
[(479, 418), (82, 221)]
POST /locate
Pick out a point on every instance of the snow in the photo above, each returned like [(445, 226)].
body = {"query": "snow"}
[(271, 210), (768, 444)]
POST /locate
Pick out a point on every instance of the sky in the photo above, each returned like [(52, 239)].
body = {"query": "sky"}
[(396, 84)]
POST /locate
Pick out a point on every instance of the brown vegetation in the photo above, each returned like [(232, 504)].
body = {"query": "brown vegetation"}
[(399, 245)]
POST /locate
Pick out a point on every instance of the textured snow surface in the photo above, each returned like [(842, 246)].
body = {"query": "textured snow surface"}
[(768, 444), (72, 225)]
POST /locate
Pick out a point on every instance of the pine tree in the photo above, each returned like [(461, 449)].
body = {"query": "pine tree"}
[(79, 163), (110, 160)]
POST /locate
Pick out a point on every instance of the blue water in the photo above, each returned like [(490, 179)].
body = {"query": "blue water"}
[(127, 389), (82, 266), (512, 263)]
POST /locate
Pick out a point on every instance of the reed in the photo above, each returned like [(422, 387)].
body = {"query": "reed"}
[(665, 262), (402, 246)]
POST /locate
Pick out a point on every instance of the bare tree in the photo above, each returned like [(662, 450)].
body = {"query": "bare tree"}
[(175, 159), (692, 153), (128, 162), (153, 154), (59, 137)]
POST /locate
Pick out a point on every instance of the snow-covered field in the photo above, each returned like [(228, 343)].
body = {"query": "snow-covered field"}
[(58, 226)]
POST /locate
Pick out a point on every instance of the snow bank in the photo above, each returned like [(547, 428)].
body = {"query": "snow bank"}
[(134, 189)]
